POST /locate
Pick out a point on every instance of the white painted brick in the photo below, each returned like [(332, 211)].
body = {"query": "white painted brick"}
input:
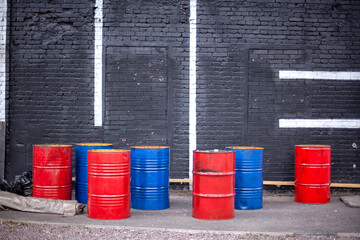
[(192, 85), (320, 123), (98, 67), (3, 23), (319, 75)]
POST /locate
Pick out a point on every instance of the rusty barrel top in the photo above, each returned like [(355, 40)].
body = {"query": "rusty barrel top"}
[(213, 184), (52, 164), (312, 173)]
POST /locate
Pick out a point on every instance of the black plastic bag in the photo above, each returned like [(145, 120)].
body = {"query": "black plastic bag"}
[(21, 184)]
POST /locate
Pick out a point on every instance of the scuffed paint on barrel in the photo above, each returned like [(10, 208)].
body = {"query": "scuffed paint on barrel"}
[(249, 163), (108, 184), (150, 177), (213, 185), (81, 156), (312, 173), (52, 171)]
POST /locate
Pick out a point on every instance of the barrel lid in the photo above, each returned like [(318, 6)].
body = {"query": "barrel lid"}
[(150, 147), (109, 150), (246, 147), (94, 144), (212, 151), (313, 146), (52, 145)]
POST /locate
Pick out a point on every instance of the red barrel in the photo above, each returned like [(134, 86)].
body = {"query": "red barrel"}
[(312, 173), (52, 171), (213, 185), (108, 184)]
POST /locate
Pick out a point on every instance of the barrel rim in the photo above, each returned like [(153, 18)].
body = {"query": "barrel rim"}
[(150, 147), (94, 144), (213, 151), (108, 150), (313, 146), (46, 145), (246, 147)]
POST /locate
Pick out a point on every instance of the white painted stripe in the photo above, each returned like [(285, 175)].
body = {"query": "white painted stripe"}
[(319, 75), (192, 85), (3, 23), (319, 123), (98, 67)]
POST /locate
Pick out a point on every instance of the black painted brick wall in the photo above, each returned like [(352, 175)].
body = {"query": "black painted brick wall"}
[(51, 77), (241, 47), (268, 36), (152, 39), (51, 85)]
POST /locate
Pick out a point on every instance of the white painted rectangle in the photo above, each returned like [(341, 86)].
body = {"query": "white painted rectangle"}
[(98, 66), (192, 85), (3, 25), (320, 123), (319, 75)]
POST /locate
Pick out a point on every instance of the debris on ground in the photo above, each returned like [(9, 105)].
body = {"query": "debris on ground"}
[(20, 184), (40, 205), (351, 201)]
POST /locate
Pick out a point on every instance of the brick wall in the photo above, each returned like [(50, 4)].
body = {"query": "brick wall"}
[(241, 46), (51, 77), (249, 42)]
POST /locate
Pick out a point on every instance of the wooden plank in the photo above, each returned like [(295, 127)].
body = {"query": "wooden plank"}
[(345, 185), (185, 180), (278, 183)]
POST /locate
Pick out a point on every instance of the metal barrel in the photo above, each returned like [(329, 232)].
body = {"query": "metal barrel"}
[(213, 185), (52, 171), (249, 163), (109, 184), (81, 159), (312, 173), (150, 177)]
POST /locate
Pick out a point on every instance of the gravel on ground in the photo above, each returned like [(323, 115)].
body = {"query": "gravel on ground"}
[(14, 230)]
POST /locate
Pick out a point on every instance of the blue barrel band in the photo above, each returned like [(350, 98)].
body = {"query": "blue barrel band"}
[(249, 170)]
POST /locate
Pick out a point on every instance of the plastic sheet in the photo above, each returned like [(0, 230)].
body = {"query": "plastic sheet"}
[(40, 205), (21, 184)]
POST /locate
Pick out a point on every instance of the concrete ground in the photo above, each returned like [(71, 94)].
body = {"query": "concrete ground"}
[(280, 216)]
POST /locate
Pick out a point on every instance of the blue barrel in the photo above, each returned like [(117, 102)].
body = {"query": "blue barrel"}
[(150, 177), (249, 163), (81, 158)]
